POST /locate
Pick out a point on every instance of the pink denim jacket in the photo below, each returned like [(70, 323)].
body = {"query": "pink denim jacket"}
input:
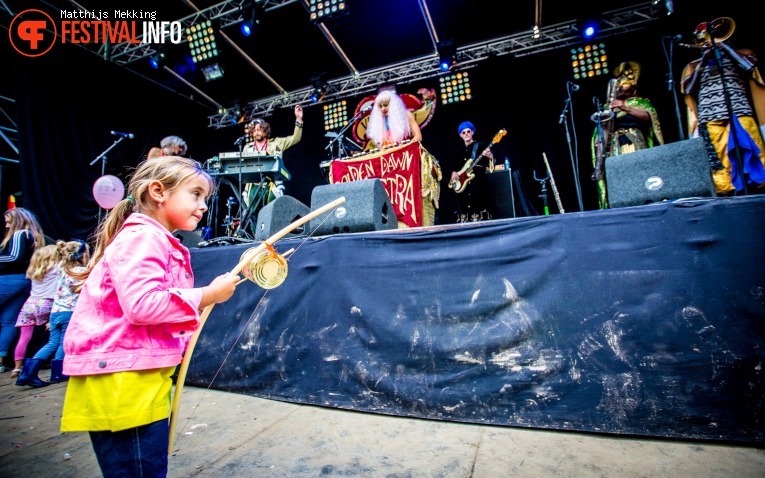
[(138, 308)]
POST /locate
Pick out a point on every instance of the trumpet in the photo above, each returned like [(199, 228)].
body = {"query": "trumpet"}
[(606, 114)]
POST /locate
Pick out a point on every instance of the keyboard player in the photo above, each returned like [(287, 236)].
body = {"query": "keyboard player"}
[(257, 195)]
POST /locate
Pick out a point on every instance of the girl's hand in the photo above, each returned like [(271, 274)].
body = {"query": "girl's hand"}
[(220, 290)]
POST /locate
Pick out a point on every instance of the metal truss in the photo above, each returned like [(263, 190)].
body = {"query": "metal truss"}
[(521, 44), (225, 13)]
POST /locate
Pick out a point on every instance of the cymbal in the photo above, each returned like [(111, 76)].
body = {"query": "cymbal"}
[(604, 116)]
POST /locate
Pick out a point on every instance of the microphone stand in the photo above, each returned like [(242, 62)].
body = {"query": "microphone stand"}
[(600, 145), (240, 144), (564, 119), (102, 157), (339, 139), (673, 88)]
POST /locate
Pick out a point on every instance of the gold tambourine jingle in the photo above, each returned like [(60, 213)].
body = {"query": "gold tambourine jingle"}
[(267, 270)]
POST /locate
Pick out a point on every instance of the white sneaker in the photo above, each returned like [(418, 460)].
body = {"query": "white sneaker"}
[(2, 368)]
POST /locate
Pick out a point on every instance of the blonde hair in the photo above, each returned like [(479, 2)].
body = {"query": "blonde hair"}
[(398, 119), (19, 219), (170, 171), (43, 260)]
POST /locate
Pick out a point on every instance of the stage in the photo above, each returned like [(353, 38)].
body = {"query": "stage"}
[(643, 321)]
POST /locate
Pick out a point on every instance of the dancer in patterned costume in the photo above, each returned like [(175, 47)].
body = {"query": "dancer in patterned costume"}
[(710, 103)]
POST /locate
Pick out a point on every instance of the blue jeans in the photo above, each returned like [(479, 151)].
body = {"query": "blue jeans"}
[(14, 290), (140, 451), (59, 321)]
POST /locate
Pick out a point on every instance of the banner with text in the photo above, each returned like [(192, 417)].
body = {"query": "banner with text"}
[(399, 170)]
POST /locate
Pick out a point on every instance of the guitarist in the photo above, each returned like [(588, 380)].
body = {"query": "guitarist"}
[(472, 204)]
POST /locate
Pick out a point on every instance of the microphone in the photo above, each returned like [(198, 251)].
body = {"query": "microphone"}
[(596, 102), (124, 135), (677, 38), (574, 86), (239, 141)]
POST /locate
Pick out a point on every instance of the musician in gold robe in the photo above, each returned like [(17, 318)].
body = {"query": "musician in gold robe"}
[(634, 125)]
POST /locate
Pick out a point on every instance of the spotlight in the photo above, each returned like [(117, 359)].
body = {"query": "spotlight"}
[(589, 61), (323, 10), (212, 72), (319, 88), (446, 55), (335, 115), (203, 44), (157, 60), (589, 27), (237, 114), (251, 20), (455, 88)]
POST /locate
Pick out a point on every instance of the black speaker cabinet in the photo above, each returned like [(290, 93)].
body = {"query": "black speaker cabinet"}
[(367, 207), (278, 214), (672, 171), (190, 239)]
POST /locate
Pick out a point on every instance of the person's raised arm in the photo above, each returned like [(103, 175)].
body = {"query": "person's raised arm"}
[(415, 127)]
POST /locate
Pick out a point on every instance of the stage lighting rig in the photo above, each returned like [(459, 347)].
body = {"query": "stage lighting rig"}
[(319, 88), (446, 52), (157, 60), (455, 88), (323, 10), (203, 44)]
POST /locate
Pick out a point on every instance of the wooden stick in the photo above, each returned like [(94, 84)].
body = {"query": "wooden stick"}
[(206, 312)]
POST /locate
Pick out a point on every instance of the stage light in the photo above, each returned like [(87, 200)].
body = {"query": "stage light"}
[(319, 88), (667, 7), (157, 60), (237, 114), (445, 55), (323, 10), (335, 115), (251, 20), (212, 72), (589, 61), (536, 33), (203, 44), (589, 27), (455, 88)]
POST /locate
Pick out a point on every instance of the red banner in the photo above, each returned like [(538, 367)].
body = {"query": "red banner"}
[(399, 170)]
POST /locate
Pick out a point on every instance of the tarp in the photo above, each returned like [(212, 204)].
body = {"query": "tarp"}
[(645, 321)]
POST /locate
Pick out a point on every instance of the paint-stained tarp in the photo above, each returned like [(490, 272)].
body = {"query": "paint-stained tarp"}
[(645, 321)]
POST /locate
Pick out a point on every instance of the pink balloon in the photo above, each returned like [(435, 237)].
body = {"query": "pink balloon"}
[(108, 191)]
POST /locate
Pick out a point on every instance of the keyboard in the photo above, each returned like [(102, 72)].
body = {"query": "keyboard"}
[(253, 167), (245, 155)]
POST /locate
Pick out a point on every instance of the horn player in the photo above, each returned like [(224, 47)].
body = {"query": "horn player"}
[(729, 115), (635, 124)]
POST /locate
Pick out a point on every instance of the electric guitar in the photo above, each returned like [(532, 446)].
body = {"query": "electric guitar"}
[(466, 174)]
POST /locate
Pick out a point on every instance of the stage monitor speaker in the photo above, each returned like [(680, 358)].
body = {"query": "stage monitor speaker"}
[(367, 207), (671, 171), (278, 214), (190, 239)]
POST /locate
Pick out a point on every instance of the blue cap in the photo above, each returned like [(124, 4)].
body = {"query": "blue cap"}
[(465, 125)]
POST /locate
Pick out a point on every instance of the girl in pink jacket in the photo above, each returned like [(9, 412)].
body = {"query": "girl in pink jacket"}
[(137, 310)]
